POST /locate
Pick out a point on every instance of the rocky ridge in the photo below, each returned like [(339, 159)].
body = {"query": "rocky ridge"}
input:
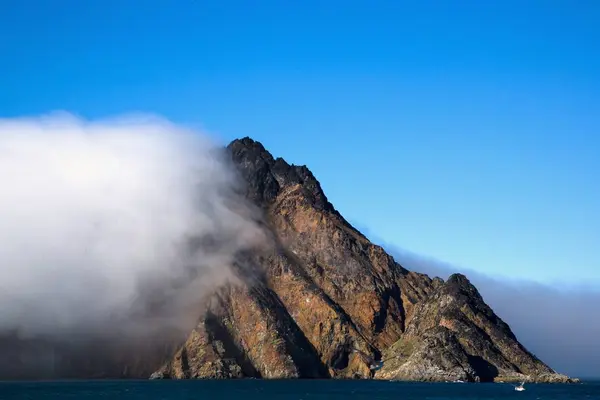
[(325, 290)]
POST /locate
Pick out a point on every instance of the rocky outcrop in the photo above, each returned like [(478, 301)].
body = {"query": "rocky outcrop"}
[(325, 290), (456, 332)]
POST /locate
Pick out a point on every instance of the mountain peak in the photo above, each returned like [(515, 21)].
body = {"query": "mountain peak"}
[(266, 176), (247, 144), (459, 286), (459, 279)]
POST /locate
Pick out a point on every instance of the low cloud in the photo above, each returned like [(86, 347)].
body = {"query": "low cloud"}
[(113, 227)]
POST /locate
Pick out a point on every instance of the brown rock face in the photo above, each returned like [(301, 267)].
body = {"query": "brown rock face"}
[(325, 290)]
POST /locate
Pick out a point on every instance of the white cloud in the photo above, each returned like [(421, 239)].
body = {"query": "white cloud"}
[(96, 220)]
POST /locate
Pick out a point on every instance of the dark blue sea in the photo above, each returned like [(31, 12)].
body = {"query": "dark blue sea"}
[(289, 389)]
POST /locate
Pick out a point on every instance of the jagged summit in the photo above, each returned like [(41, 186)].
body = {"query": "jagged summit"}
[(459, 279), (459, 285), (266, 175)]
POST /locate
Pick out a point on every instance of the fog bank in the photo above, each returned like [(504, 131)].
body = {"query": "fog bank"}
[(113, 227)]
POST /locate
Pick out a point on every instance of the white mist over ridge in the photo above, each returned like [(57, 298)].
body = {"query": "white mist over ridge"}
[(99, 219)]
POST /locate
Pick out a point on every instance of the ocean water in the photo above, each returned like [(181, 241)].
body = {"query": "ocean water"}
[(289, 389)]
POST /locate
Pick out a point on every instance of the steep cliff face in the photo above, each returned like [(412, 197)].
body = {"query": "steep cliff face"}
[(325, 290)]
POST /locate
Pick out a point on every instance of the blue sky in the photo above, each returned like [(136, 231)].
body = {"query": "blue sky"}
[(465, 131)]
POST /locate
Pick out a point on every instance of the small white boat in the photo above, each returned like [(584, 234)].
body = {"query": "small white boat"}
[(521, 387)]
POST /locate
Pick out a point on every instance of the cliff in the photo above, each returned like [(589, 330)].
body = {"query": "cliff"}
[(325, 302)]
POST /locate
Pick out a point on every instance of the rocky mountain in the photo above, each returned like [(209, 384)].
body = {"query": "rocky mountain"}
[(325, 302)]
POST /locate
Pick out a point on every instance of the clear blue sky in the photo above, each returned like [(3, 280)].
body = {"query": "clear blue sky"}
[(463, 130)]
